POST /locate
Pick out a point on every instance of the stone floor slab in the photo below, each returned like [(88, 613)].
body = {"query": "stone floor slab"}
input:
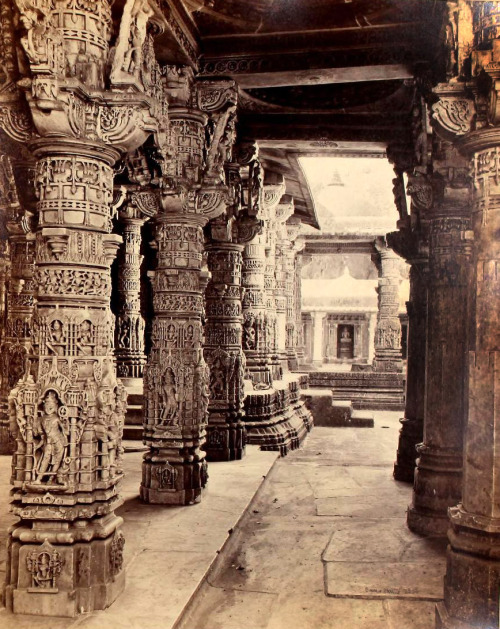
[(383, 579)]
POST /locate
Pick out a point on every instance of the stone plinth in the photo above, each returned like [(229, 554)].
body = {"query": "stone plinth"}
[(277, 418)]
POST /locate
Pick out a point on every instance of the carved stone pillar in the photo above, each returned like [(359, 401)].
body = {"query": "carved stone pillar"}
[(129, 331), (17, 339), (176, 378), (254, 311), (284, 211), (318, 333), (388, 330), (274, 187), (472, 579), (68, 409), (65, 554), (411, 243), (224, 353), (5, 441), (437, 484), (299, 328), (412, 425), (293, 228)]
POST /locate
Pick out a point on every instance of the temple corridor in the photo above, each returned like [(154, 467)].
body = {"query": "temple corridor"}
[(224, 224), (328, 519)]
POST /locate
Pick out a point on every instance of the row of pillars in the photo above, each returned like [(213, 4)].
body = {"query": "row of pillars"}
[(448, 439)]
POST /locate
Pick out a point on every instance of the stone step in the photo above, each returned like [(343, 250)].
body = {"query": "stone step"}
[(362, 419), (328, 411), (134, 415), (132, 432)]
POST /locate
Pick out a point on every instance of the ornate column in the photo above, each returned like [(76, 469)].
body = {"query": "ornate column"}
[(283, 212), (5, 441), (293, 229), (129, 331), (255, 335), (226, 434), (472, 580), (318, 329), (437, 482), (274, 188), (17, 341), (65, 553), (412, 425), (299, 328), (388, 330), (69, 450), (176, 378), (411, 243)]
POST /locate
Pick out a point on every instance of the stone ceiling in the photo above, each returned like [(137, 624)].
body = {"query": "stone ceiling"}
[(315, 76)]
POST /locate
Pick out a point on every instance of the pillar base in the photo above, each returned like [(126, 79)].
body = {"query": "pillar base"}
[(48, 577), (472, 581), (410, 435), (225, 442), (430, 523), (169, 482), (437, 487), (276, 419)]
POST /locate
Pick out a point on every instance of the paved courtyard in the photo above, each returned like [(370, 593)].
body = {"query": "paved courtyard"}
[(325, 545)]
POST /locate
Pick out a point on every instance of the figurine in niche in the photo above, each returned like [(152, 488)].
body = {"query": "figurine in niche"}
[(169, 399), (171, 333), (201, 389), (54, 440), (107, 433), (124, 332), (249, 334), (84, 340), (113, 432), (345, 335), (57, 339), (189, 339), (217, 379), (101, 424), (33, 21)]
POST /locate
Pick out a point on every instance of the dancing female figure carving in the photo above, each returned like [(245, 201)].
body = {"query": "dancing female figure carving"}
[(54, 433)]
